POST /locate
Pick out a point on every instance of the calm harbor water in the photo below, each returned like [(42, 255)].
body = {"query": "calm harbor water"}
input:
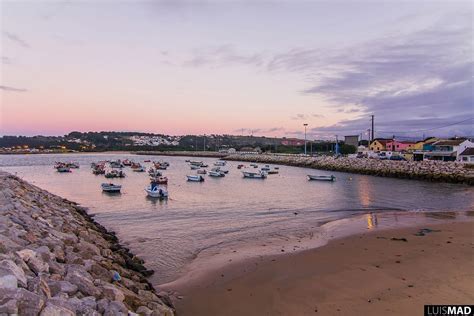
[(222, 213)]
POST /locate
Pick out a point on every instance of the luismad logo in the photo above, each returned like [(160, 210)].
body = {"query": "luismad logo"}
[(449, 310)]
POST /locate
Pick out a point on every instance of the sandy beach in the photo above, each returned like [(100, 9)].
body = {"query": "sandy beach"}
[(384, 272)]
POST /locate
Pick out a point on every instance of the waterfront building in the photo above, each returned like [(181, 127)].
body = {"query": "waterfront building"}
[(379, 144), (467, 156)]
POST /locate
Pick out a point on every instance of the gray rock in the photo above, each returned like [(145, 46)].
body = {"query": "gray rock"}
[(55, 310), (8, 281), (143, 310), (8, 307), (112, 293), (28, 303), (116, 308), (102, 305), (82, 279), (10, 266), (62, 287)]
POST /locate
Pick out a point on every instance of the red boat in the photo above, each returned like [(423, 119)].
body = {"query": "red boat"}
[(160, 180)]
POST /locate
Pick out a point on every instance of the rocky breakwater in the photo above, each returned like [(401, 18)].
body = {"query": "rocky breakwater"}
[(55, 260), (453, 172)]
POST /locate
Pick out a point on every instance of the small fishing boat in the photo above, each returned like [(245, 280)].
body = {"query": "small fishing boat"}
[(63, 169), (153, 172), (219, 169), (127, 163), (220, 163), (203, 165), (115, 174), (195, 178), (155, 191), (98, 170), (240, 166), (196, 163), (111, 188), (265, 168), (213, 173), (160, 166), (139, 169), (195, 167), (201, 171), (159, 180), (274, 171), (254, 165), (321, 178), (116, 164), (148, 160), (254, 175), (72, 165)]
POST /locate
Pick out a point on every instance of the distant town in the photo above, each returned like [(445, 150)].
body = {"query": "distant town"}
[(431, 148)]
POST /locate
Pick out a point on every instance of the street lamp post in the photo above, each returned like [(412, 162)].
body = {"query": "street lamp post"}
[(305, 125)]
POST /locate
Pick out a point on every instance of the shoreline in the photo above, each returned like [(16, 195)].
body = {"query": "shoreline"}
[(55, 258), (371, 273)]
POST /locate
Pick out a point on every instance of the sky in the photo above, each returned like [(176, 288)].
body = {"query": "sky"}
[(237, 67)]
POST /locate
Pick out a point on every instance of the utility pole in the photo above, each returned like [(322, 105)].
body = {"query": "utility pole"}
[(311, 146), (372, 139), (336, 149), (305, 125), (204, 142)]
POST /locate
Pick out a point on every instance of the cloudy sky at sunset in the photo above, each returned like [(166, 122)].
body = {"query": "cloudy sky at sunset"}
[(261, 67)]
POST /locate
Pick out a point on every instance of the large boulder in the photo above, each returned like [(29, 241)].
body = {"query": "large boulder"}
[(8, 266), (82, 279)]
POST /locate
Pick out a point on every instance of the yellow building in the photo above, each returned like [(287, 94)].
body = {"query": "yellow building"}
[(378, 145)]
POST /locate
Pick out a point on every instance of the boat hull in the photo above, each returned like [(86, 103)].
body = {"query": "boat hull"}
[(321, 178)]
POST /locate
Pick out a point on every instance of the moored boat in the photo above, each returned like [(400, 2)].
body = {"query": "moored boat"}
[(195, 178), (63, 169), (321, 178), (156, 192), (159, 180), (201, 171), (220, 163), (254, 175), (111, 188), (216, 174)]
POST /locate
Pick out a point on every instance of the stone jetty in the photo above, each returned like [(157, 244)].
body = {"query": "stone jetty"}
[(438, 171), (56, 260)]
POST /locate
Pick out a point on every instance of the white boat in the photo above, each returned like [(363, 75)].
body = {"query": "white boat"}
[(110, 187), (116, 164), (220, 163), (254, 175), (195, 177), (195, 167), (254, 165), (213, 173), (219, 169), (195, 163), (156, 192), (321, 178), (266, 168)]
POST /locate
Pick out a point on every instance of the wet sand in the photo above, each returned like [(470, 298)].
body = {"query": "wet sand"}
[(375, 273)]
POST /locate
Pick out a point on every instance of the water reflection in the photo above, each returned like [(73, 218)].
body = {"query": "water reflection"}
[(372, 221)]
